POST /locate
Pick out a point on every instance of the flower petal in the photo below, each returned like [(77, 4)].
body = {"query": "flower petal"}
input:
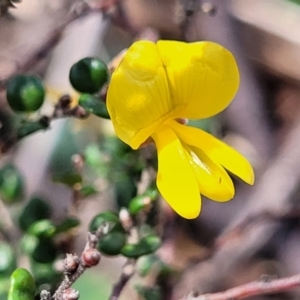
[(202, 76), (138, 95), (175, 179), (218, 151), (214, 182)]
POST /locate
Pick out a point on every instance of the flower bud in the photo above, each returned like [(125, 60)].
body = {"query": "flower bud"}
[(125, 218), (90, 257), (71, 263), (70, 294)]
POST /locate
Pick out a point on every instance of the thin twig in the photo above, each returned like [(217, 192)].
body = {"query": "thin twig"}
[(61, 110), (254, 288), (79, 265), (79, 11), (127, 272), (272, 195)]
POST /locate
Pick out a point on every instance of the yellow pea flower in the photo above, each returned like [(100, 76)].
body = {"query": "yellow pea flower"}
[(157, 83)]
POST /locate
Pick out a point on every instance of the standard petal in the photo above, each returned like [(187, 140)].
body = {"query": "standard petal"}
[(138, 96), (175, 179), (202, 76), (218, 151), (214, 182)]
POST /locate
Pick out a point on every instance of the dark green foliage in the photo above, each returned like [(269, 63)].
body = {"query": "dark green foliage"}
[(36, 209), (39, 249), (112, 243)]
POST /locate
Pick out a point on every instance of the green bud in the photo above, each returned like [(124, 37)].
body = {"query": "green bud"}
[(22, 286), (88, 75), (25, 93)]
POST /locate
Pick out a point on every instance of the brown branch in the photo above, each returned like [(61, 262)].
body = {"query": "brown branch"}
[(61, 110), (254, 288), (75, 267), (79, 11), (127, 272), (272, 195)]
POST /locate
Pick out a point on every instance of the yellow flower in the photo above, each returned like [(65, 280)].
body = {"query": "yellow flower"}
[(157, 83)]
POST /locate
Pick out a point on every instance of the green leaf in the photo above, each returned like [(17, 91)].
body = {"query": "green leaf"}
[(109, 217), (69, 179), (146, 263), (141, 202), (45, 251), (42, 228), (94, 158), (4, 287), (22, 286), (125, 190), (112, 243), (11, 184), (149, 293), (146, 245), (39, 249), (45, 274), (36, 209), (67, 224), (94, 105), (87, 190), (28, 127), (7, 260)]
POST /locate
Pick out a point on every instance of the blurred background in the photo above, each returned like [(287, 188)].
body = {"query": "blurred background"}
[(256, 233)]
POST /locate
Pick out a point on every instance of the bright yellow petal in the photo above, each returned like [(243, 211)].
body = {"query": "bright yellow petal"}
[(218, 151), (214, 182), (138, 96), (202, 76), (175, 179)]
